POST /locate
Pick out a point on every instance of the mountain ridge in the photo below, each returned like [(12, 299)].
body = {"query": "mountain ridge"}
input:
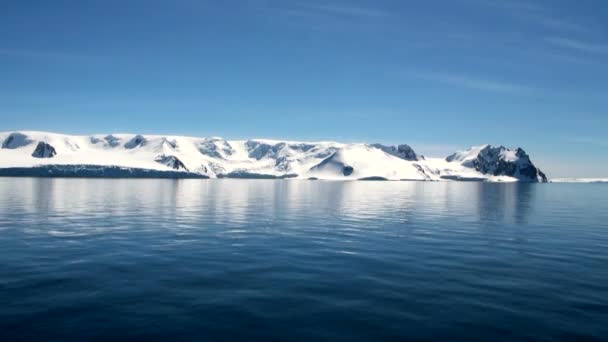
[(33, 152)]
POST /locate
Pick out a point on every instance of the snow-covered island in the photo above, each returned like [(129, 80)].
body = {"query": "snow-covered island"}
[(43, 154)]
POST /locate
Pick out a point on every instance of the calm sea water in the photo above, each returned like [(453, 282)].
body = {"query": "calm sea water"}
[(84, 259)]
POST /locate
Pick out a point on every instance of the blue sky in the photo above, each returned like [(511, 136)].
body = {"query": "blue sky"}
[(439, 75)]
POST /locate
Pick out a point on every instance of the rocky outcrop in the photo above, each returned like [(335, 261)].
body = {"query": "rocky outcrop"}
[(333, 164), (500, 161), (111, 140), (44, 150), (402, 151), (16, 140), (262, 158), (259, 150), (172, 162), (136, 141), (215, 148), (286, 154), (172, 144)]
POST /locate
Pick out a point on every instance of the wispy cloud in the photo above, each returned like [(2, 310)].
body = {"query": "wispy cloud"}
[(465, 81), (47, 55), (561, 25), (512, 5), (578, 45), (349, 10), (535, 14), (589, 141), (321, 9)]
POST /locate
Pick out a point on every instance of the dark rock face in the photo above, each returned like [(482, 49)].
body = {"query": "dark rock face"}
[(259, 150), (493, 161), (112, 140), (108, 140), (44, 150), (171, 143), (421, 171), (282, 153), (136, 141), (215, 148), (347, 170), (172, 162), (283, 164), (16, 140), (402, 151), (332, 165), (217, 168)]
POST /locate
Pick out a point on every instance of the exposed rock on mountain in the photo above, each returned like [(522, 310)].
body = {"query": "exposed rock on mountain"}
[(500, 161), (215, 148), (44, 150), (16, 140), (136, 141), (172, 162), (255, 158), (112, 140), (333, 165), (170, 143), (404, 151)]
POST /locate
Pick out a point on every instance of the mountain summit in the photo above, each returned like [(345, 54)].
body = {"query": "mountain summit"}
[(135, 155)]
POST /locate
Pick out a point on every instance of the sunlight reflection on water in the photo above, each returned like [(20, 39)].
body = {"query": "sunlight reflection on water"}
[(313, 259)]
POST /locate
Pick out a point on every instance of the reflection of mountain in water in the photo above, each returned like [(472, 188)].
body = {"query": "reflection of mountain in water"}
[(498, 203), (238, 202)]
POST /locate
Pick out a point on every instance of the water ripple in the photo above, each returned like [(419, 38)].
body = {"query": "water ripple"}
[(284, 260)]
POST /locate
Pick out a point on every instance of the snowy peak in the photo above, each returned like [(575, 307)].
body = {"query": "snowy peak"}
[(288, 156), (499, 161), (136, 141), (16, 140), (42, 153), (44, 150), (215, 148), (111, 140), (403, 151), (172, 162), (361, 161)]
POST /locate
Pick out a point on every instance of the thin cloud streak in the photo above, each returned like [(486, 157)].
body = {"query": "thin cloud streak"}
[(535, 14), (47, 55), (513, 5), (578, 45), (589, 141), (471, 82), (350, 11), (320, 9), (558, 24)]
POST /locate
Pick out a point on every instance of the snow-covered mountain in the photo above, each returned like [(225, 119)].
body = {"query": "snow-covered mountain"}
[(134, 155), (499, 161)]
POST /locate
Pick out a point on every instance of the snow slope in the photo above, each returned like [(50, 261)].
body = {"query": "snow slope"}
[(256, 158)]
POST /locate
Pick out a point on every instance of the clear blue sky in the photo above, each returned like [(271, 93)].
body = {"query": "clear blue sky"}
[(439, 75)]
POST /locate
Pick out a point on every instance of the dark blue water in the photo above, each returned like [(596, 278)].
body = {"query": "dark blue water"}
[(84, 259)]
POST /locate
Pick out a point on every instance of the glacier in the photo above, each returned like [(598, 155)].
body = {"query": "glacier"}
[(45, 154)]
